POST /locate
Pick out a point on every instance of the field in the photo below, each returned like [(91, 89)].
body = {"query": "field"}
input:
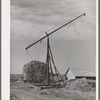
[(77, 89)]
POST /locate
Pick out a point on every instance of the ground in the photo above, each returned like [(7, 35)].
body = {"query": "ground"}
[(78, 89)]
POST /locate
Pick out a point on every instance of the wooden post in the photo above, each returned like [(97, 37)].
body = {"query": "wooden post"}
[(47, 62)]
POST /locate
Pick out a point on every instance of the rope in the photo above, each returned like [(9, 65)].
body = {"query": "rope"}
[(40, 49), (39, 53), (29, 54), (52, 75)]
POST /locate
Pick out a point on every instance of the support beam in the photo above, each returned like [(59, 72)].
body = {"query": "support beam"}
[(54, 65)]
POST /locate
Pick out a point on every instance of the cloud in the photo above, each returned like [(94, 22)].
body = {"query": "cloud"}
[(26, 30), (30, 18), (28, 9), (73, 45)]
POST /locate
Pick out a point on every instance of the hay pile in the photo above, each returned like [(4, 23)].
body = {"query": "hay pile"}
[(15, 77), (81, 85), (34, 71)]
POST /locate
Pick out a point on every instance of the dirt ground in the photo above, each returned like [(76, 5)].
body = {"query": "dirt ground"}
[(79, 89)]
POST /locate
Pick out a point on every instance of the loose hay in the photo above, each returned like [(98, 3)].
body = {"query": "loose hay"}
[(81, 85)]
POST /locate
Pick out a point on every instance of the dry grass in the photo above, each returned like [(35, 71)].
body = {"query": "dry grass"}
[(72, 91)]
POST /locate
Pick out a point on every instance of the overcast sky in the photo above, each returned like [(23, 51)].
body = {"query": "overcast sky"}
[(73, 46)]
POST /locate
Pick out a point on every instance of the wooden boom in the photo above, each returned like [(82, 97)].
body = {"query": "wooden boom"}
[(55, 30)]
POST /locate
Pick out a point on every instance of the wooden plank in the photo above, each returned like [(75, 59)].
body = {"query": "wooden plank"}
[(48, 85)]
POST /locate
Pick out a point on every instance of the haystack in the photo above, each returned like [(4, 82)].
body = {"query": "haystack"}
[(81, 85), (34, 71)]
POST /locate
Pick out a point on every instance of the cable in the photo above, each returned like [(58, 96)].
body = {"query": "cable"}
[(29, 54)]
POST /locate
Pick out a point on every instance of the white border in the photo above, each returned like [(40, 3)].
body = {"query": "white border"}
[(97, 54), (5, 51)]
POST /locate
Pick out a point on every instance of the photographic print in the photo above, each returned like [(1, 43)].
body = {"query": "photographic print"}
[(53, 50)]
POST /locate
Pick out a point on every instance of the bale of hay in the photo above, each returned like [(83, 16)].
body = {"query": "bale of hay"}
[(34, 71)]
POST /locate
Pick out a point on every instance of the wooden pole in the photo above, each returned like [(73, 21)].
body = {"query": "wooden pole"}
[(55, 30), (55, 65), (47, 62), (67, 71)]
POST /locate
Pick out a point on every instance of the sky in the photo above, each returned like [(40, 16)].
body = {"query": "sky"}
[(74, 46)]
